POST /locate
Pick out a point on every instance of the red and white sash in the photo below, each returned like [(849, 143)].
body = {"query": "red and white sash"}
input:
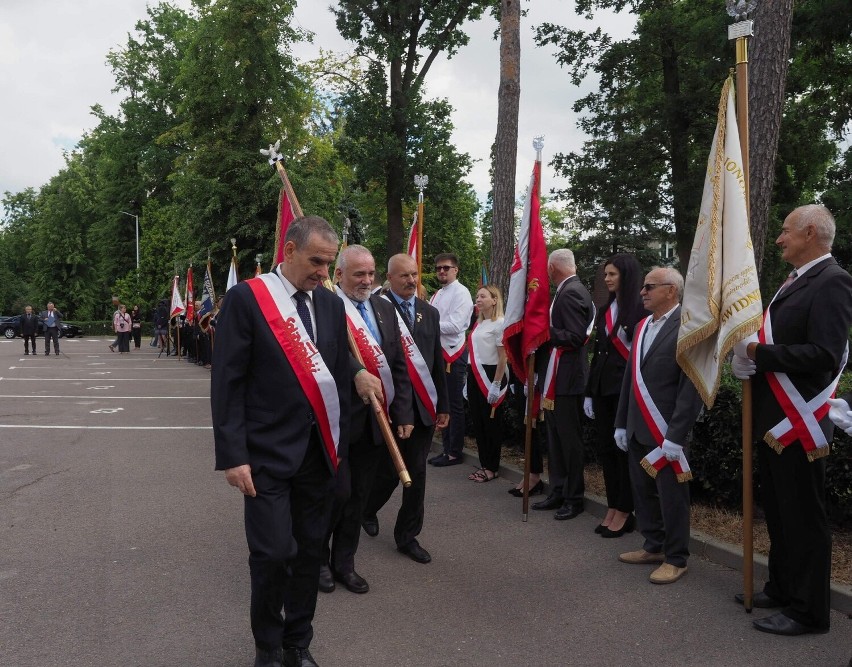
[(481, 376), (548, 400), (418, 370), (371, 352), (449, 356), (657, 425), (802, 417), (307, 363), (620, 341)]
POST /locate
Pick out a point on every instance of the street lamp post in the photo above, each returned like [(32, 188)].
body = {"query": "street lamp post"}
[(136, 217)]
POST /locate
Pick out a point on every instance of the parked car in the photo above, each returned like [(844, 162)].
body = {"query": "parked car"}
[(10, 327)]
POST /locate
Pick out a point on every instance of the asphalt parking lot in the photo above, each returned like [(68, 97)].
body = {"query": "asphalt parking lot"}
[(120, 545)]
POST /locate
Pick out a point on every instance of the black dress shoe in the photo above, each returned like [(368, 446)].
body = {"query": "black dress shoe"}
[(779, 624), (759, 600), (549, 503), (326, 580), (568, 512), (371, 526), (600, 528), (415, 552), (629, 525), (353, 581), (298, 657), (447, 461), (439, 457), (273, 658), (535, 490)]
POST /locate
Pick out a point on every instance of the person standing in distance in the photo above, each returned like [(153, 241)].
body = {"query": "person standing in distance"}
[(795, 361), (280, 423), (455, 308), (52, 320), (29, 329)]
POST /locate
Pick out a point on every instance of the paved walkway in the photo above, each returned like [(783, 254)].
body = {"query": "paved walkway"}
[(119, 545)]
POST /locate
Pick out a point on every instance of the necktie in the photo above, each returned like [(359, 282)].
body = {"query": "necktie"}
[(368, 321), (304, 313), (793, 275), (406, 315)]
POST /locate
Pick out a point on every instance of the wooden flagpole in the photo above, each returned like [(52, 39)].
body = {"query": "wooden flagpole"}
[(741, 32)]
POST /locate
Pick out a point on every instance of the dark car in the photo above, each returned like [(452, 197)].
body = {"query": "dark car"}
[(10, 327)]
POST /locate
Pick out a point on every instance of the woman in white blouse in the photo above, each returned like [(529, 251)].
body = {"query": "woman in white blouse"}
[(486, 388)]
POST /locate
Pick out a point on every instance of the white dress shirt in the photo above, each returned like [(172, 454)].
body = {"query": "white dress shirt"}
[(454, 307)]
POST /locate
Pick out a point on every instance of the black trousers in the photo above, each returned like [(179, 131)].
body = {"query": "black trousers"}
[(565, 448), (29, 340), (662, 507), (793, 493), (453, 435), (51, 334), (613, 461), (344, 531), (409, 519), (486, 430), (285, 525), (137, 337), (124, 341)]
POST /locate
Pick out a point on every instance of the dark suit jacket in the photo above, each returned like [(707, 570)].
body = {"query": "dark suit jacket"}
[(571, 313), (29, 326), (261, 415), (400, 409), (671, 390), (427, 335), (608, 366), (56, 314), (810, 326)]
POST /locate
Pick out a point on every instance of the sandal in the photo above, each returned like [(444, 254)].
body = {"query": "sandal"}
[(475, 475), (481, 476)]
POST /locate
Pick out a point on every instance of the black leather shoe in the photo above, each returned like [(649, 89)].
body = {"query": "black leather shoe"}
[(549, 503), (448, 461), (298, 657), (439, 457), (779, 624), (370, 526), (629, 525), (759, 600), (535, 490), (326, 581), (415, 552), (273, 658), (568, 512), (353, 581)]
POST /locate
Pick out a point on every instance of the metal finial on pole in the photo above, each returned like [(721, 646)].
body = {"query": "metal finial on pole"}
[(420, 182), (538, 144)]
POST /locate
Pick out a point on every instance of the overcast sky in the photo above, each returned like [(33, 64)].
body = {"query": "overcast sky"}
[(53, 69)]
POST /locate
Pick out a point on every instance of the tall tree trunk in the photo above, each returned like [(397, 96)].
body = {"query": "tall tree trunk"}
[(768, 64), (506, 145), (396, 166), (677, 129)]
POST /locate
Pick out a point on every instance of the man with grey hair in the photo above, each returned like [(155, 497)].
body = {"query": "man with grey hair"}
[(795, 362), (656, 411), (563, 371)]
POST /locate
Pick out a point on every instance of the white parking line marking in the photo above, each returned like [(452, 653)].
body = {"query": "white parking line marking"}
[(105, 411)]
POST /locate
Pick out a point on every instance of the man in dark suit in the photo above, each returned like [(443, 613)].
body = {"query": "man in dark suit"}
[(29, 329), (431, 411), (571, 318), (795, 363), (373, 320), (52, 320), (280, 423), (656, 411)]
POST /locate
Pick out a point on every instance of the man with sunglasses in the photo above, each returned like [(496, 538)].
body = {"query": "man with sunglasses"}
[(656, 411), (455, 308)]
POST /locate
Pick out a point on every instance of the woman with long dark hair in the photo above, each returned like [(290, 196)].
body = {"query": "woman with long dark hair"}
[(136, 326), (613, 339)]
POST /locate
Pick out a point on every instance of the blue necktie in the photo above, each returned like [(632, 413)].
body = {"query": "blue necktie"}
[(304, 312), (406, 314), (368, 321)]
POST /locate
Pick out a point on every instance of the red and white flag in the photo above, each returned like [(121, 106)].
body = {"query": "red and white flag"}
[(412, 238), (177, 303), (527, 319), (190, 296), (285, 217)]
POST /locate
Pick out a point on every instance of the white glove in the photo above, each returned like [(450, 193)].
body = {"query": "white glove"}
[(620, 437), (587, 408), (743, 367), (535, 384), (493, 393), (672, 451), (840, 414), (741, 348), (464, 391)]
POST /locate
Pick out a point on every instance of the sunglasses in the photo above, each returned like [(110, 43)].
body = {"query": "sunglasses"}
[(649, 286), (445, 267)]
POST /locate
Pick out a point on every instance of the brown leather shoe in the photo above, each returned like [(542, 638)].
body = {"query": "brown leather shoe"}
[(667, 574), (641, 557)]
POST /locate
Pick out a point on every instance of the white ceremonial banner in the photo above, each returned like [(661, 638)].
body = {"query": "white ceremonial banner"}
[(721, 301)]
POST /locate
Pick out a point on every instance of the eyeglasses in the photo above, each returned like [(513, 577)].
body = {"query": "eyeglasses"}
[(649, 286), (445, 267)]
